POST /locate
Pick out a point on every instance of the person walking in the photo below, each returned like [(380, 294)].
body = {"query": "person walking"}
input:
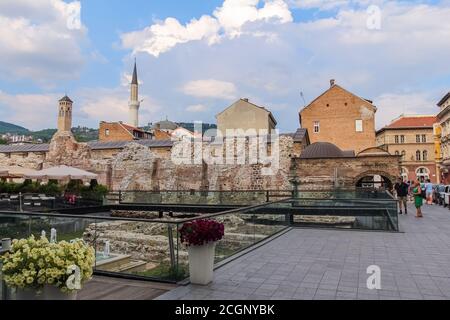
[(418, 200), (401, 188), (429, 192)]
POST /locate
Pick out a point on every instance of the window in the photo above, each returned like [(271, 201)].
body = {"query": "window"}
[(396, 139), (418, 138), (425, 156), (418, 154), (402, 139), (316, 126), (424, 138), (403, 155), (106, 132), (359, 125), (397, 153)]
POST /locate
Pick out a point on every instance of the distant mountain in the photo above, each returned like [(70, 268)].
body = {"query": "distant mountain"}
[(6, 127), (82, 134)]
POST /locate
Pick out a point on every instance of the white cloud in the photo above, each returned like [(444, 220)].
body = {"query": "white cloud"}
[(38, 40), (210, 88), (320, 4), (32, 111), (91, 105), (392, 105), (197, 108), (163, 36), (102, 104), (228, 21), (407, 57), (234, 14)]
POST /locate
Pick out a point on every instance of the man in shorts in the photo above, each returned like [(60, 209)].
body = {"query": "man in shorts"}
[(401, 188)]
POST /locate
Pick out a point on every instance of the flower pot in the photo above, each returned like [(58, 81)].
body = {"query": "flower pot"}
[(47, 293), (201, 263)]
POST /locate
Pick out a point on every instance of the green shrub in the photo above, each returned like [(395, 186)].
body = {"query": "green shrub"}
[(94, 191)]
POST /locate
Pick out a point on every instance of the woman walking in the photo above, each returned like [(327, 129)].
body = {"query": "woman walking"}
[(418, 200)]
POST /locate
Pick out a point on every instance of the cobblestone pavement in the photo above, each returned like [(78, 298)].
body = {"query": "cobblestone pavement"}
[(332, 264)]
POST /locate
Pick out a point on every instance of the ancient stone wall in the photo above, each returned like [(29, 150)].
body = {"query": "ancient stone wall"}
[(31, 160), (320, 174), (139, 168)]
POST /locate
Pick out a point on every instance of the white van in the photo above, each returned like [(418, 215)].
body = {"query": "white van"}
[(446, 194)]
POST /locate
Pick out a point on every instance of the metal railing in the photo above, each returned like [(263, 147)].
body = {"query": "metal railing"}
[(148, 249)]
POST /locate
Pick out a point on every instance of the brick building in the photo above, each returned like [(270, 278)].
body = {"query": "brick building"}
[(443, 118), (342, 118), (119, 131), (412, 138)]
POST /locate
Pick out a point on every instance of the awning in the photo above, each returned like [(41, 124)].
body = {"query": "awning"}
[(15, 172), (62, 173)]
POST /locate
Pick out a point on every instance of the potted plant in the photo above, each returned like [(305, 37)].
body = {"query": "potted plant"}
[(41, 270), (200, 236)]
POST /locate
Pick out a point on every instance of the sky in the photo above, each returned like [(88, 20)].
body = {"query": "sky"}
[(196, 57)]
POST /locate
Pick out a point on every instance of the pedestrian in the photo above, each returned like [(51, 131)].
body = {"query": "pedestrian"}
[(429, 192), (401, 188), (418, 200)]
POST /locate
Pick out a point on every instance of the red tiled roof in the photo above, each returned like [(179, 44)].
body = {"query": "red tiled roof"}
[(131, 128), (413, 122)]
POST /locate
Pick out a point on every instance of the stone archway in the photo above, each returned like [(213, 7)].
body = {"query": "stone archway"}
[(366, 178)]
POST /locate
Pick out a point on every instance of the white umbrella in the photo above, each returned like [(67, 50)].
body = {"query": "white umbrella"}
[(15, 172), (3, 173), (62, 173)]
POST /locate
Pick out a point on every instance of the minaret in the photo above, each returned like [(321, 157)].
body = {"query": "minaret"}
[(134, 100), (65, 114)]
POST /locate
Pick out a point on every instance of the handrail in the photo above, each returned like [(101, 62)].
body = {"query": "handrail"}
[(206, 216), (390, 220)]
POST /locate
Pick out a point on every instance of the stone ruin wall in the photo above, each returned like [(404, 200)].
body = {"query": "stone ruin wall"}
[(137, 167), (140, 168)]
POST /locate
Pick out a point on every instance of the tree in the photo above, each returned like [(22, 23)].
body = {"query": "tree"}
[(3, 141)]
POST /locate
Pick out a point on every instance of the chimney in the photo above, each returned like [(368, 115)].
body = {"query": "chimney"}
[(332, 82), (245, 99)]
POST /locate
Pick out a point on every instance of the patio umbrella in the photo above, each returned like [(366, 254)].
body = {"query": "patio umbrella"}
[(15, 172), (3, 174), (62, 173)]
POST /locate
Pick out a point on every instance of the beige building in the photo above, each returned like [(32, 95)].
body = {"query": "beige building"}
[(412, 138), (342, 118), (246, 116), (443, 118)]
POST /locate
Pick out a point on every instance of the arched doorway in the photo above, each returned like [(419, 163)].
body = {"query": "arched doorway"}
[(374, 182), (422, 174)]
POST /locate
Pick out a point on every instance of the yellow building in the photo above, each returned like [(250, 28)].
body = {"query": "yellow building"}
[(444, 122), (412, 138), (437, 132)]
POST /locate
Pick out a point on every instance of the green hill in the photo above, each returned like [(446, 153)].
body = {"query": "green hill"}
[(11, 128), (82, 134)]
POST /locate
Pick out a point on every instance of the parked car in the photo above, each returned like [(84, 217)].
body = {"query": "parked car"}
[(438, 194), (445, 195)]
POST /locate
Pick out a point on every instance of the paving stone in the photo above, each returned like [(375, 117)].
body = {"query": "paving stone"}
[(305, 264)]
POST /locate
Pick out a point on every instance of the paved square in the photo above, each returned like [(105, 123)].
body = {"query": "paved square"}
[(331, 264)]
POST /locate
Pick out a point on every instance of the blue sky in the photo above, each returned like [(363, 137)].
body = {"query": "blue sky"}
[(197, 57)]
